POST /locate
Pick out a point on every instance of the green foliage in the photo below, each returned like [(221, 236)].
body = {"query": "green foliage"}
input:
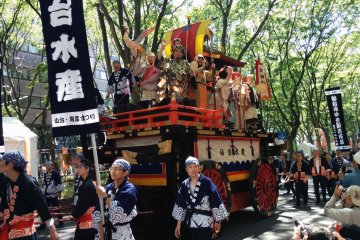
[(307, 46)]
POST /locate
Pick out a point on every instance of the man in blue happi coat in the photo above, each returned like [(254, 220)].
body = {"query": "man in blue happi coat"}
[(198, 204)]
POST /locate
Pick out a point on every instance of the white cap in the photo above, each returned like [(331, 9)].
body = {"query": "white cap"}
[(356, 157), (354, 192)]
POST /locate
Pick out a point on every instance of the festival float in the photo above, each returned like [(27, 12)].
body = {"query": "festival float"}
[(156, 141)]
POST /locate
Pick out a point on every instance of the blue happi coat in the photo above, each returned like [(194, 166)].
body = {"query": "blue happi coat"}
[(121, 211), (202, 208)]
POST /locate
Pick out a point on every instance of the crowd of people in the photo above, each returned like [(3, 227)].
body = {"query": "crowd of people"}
[(198, 205), (335, 177), (150, 78), (326, 171)]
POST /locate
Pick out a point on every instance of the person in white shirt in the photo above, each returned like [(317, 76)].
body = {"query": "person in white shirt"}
[(350, 212)]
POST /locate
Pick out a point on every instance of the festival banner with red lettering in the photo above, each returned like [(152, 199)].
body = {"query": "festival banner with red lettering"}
[(334, 100), (192, 37), (71, 88), (262, 83)]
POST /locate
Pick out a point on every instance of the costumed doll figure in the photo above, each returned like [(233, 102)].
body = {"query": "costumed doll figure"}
[(137, 64), (231, 112), (251, 105), (201, 77), (222, 94), (179, 72), (149, 82), (236, 87)]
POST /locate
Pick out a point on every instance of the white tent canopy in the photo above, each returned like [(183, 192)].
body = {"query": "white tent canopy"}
[(19, 137), (306, 147)]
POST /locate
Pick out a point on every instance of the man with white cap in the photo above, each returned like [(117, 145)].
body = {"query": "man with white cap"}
[(354, 177), (119, 199), (350, 213), (198, 204)]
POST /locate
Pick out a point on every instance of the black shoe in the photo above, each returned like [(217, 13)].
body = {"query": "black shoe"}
[(296, 204), (305, 203)]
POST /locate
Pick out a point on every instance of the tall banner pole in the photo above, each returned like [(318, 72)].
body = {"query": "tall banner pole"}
[(97, 173), (71, 89), (187, 37)]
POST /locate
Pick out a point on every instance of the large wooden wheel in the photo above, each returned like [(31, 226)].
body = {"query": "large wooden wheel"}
[(217, 174), (263, 188)]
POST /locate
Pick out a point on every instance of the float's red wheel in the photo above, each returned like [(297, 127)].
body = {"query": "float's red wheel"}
[(264, 188), (218, 181), (217, 174)]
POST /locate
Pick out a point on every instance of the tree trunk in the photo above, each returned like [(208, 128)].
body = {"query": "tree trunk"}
[(104, 38), (157, 26), (137, 18), (47, 132), (261, 26), (126, 51), (224, 32)]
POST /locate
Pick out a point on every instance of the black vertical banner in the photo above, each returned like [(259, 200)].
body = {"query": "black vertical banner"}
[(334, 100), (71, 88), (2, 145)]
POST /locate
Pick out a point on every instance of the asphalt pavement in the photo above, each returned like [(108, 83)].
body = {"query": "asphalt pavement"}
[(245, 224)]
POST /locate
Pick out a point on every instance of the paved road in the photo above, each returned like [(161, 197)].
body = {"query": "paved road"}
[(244, 224)]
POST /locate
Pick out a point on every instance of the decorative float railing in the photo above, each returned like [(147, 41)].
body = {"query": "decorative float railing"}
[(171, 114)]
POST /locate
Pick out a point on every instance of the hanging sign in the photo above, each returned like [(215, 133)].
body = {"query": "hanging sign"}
[(334, 101), (71, 88)]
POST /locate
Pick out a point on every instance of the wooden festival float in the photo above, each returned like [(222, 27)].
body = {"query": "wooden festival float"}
[(157, 140)]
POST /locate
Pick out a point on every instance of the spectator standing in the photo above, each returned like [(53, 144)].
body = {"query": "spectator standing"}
[(330, 179), (339, 165), (354, 177), (349, 213)]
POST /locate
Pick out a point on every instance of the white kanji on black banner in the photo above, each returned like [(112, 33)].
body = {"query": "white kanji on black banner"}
[(334, 100), (71, 88)]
